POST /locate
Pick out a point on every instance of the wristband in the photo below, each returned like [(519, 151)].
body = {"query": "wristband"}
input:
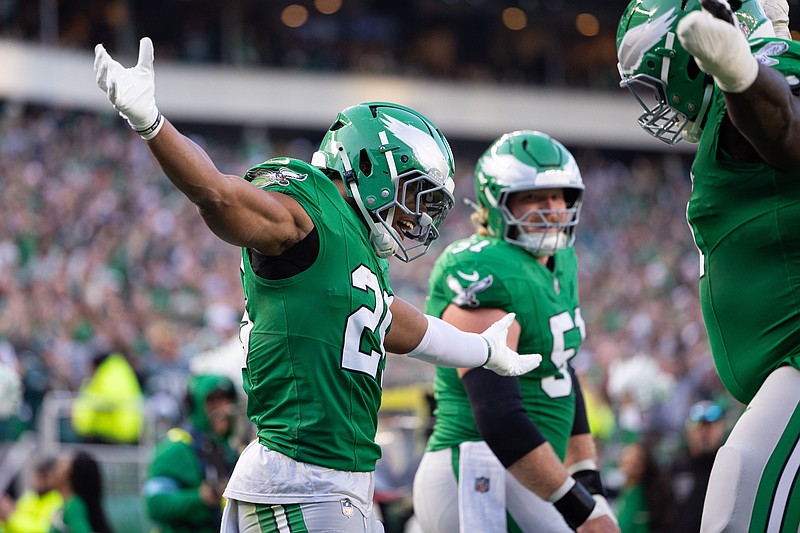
[(591, 480), (151, 131), (573, 502)]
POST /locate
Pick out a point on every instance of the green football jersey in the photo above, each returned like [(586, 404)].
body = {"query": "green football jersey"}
[(314, 342), (491, 273), (745, 219)]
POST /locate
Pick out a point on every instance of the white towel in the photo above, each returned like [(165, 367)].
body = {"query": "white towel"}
[(481, 489)]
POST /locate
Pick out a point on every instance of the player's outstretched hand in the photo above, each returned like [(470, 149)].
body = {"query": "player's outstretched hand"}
[(718, 46), (502, 359), (131, 90)]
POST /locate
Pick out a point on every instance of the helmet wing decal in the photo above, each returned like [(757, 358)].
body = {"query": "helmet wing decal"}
[(510, 171), (637, 41), (509, 167), (425, 149)]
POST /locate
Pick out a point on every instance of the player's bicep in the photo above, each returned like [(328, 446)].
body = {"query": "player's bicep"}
[(767, 115), (244, 215), (408, 327)]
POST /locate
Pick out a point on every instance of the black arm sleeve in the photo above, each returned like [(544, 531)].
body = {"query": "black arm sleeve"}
[(501, 419), (580, 425)]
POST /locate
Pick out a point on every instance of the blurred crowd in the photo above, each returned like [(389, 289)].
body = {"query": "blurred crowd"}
[(97, 254), (434, 39)]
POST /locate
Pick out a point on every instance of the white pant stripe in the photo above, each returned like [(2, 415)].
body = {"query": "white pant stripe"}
[(785, 483), (281, 522)]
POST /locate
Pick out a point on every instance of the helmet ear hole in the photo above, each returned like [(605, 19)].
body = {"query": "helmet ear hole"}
[(364, 163), (571, 196), (692, 69)]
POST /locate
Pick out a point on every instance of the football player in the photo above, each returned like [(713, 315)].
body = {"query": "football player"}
[(516, 445), (320, 313), (721, 78)]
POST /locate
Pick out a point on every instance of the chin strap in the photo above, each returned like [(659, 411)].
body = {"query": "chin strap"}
[(382, 242), (694, 129)]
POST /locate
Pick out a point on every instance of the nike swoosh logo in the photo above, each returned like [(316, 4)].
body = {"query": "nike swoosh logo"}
[(470, 277)]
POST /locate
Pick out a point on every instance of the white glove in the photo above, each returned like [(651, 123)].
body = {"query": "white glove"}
[(777, 12), (601, 507), (719, 48), (131, 90), (502, 359)]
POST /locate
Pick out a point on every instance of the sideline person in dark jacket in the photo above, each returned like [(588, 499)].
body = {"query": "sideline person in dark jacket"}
[(183, 491)]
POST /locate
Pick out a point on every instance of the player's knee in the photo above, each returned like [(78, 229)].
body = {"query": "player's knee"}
[(728, 502)]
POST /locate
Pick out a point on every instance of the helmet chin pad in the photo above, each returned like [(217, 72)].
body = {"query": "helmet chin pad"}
[(544, 244), (385, 243)]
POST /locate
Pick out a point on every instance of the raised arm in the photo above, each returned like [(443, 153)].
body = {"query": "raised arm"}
[(767, 114), (759, 99), (236, 211)]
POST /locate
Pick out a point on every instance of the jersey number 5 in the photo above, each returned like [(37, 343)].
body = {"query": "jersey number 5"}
[(560, 324)]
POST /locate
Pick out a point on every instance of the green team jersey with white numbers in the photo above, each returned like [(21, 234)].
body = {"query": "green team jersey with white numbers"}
[(746, 223), (491, 273), (314, 341)]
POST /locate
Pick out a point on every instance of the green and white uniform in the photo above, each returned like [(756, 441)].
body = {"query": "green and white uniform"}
[(492, 273), (745, 218), (314, 356), (458, 468)]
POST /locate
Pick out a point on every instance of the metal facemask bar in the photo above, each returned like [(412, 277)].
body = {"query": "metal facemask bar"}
[(535, 232), (425, 229), (659, 119), (432, 202)]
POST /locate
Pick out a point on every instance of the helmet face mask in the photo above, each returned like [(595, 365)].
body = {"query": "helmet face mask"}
[(659, 119), (398, 168), (661, 75), (422, 205), (543, 232), (529, 161)]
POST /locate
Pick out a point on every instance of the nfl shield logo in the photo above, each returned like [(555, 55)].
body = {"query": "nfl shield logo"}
[(347, 508), (481, 484)]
